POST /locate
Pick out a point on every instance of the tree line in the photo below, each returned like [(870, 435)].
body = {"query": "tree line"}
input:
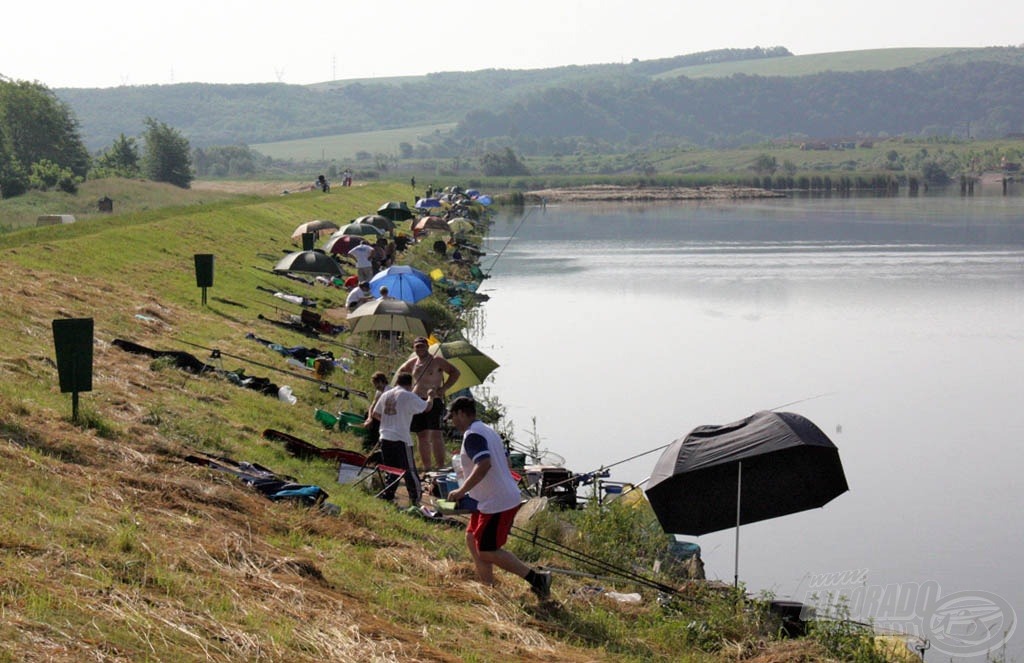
[(41, 146), (620, 104), (979, 99)]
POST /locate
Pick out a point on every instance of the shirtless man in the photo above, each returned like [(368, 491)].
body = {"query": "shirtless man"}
[(429, 372)]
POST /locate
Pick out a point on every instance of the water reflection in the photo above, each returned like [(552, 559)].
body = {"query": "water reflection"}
[(894, 324)]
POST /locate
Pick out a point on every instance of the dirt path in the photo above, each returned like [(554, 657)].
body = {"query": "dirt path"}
[(250, 187)]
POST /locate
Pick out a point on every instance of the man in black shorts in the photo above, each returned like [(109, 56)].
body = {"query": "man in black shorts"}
[(430, 371)]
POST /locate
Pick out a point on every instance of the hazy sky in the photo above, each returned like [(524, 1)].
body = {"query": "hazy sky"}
[(106, 42)]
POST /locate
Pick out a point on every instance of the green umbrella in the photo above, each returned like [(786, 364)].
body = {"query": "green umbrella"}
[(474, 366), (391, 315)]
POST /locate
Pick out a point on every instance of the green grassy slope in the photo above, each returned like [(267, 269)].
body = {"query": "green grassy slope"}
[(343, 147), (802, 65), (113, 548)]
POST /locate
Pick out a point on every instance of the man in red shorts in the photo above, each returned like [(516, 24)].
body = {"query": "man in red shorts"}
[(489, 481)]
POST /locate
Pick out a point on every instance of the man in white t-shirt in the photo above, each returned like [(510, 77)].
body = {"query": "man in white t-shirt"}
[(395, 409), (361, 253), (489, 481)]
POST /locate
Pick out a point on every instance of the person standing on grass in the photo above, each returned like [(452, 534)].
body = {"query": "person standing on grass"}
[(395, 409), (490, 482), (361, 253), (430, 372)]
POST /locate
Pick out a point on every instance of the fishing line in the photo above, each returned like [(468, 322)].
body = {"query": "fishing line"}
[(665, 446), (803, 400), (346, 391), (545, 543), (607, 567), (509, 240)]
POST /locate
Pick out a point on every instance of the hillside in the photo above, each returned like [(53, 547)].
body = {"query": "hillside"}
[(802, 65), (115, 548), (745, 82)]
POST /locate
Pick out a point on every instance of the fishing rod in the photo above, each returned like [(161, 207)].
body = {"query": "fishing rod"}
[(554, 546), (665, 446), (354, 348), (324, 384), (539, 541), (803, 400), (448, 332), (509, 240)]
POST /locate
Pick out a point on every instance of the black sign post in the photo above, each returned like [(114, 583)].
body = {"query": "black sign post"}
[(204, 272), (72, 341), (308, 241)]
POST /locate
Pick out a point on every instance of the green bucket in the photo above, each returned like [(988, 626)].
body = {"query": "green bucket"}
[(326, 419)]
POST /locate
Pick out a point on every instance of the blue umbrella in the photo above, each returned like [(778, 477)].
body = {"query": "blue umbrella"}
[(405, 285), (407, 270), (427, 203), (484, 200)]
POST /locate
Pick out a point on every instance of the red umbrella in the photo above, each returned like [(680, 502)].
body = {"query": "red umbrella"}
[(342, 243)]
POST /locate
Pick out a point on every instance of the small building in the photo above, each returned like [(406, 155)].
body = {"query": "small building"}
[(54, 219)]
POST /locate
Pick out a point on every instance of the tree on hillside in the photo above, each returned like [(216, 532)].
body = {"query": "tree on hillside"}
[(167, 155), (503, 163), (35, 127), (765, 164), (120, 160), (13, 178), (47, 175)]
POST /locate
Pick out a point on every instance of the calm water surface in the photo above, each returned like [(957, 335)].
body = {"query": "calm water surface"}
[(896, 325)]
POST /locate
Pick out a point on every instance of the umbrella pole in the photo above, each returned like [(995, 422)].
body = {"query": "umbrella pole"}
[(739, 486)]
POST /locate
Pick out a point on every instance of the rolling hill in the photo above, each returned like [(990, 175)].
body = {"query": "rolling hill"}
[(734, 96)]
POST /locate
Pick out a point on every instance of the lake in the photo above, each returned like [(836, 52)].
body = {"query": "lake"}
[(895, 324)]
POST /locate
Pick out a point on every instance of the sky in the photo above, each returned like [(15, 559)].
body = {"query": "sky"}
[(106, 43)]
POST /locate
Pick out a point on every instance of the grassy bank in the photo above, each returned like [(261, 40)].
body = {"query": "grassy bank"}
[(114, 548)]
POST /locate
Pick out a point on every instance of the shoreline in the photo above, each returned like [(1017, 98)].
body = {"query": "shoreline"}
[(616, 193)]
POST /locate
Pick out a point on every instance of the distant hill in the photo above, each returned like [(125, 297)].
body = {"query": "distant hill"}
[(715, 97), (804, 65)]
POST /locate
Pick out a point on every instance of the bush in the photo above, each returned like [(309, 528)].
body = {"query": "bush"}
[(47, 175)]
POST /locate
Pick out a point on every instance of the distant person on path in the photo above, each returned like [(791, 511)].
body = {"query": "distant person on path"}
[(431, 373), (395, 409), (412, 181), (489, 481), (362, 254)]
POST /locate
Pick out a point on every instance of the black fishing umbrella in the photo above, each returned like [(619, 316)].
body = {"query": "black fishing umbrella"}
[(768, 465), (377, 221), (395, 210), (310, 262)]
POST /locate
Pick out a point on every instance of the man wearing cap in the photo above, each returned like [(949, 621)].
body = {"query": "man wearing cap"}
[(430, 372), (491, 484)]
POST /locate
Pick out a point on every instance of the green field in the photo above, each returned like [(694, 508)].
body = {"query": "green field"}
[(803, 65), (343, 147)]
